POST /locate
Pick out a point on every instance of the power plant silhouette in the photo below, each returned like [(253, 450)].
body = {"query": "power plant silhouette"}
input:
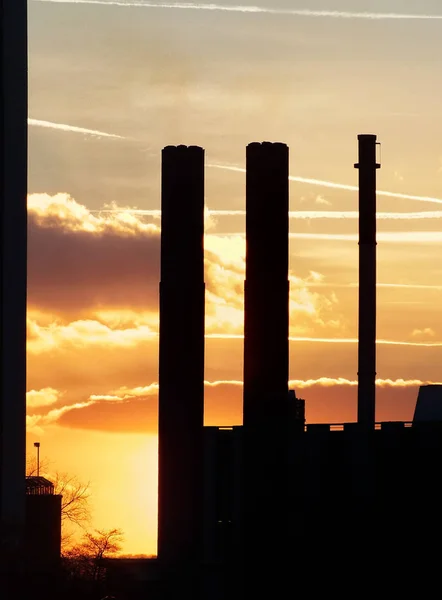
[(267, 493), (276, 504)]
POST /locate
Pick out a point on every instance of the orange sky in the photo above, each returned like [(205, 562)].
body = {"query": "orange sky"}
[(147, 78)]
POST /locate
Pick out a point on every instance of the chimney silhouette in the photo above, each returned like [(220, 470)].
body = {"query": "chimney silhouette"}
[(266, 350), (181, 356), (367, 166)]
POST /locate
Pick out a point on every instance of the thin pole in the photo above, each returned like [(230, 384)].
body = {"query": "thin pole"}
[(37, 445)]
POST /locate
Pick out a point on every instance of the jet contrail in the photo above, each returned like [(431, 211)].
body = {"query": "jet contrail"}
[(405, 286), (333, 340), (315, 182), (256, 10), (337, 186), (71, 128), (294, 214), (396, 237)]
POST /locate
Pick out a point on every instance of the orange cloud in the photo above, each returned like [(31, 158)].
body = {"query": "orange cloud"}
[(78, 261), (136, 409), (44, 397), (84, 333), (427, 332), (85, 264), (37, 423)]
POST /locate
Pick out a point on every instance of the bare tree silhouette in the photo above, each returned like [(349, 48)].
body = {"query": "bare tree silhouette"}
[(84, 560)]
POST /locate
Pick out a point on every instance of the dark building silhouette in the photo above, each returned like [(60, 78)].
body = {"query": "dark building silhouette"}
[(266, 350), (43, 529), (349, 488), (282, 499), (429, 404), (296, 412), (181, 356), (223, 488), (13, 239), (367, 166)]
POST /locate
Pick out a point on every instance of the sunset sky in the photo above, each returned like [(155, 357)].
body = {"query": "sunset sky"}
[(111, 83)]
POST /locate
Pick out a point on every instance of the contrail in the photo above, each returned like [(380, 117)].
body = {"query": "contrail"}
[(397, 237), (404, 286), (294, 214), (335, 14), (337, 186), (71, 128), (336, 340), (308, 181)]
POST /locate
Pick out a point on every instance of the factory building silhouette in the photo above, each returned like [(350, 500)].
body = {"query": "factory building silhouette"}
[(272, 488)]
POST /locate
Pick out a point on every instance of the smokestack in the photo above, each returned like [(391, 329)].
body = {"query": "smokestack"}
[(367, 280), (181, 355), (13, 257), (266, 347)]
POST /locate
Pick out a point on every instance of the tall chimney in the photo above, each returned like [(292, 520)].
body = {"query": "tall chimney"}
[(367, 166), (13, 257), (181, 356), (266, 348)]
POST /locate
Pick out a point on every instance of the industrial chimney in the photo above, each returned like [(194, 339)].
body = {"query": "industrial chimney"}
[(367, 166), (266, 349), (181, 356)]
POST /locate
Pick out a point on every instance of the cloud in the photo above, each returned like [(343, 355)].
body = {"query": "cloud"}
[(93, 282), (82, 334), (105, 268), (427, 332), (44, 397), (91, 333), (78, 261), (212, 215), (37, 423), (135, 409), (321, 200), (381, 383), (124, 393)]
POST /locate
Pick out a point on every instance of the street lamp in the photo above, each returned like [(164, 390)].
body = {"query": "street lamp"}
[(37, 445)]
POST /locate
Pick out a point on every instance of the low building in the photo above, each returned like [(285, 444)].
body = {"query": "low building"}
[(42, 527)]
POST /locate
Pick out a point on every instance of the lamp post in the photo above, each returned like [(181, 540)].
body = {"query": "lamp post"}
[(37, 445)]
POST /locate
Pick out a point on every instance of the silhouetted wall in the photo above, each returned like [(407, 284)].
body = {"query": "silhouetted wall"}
[(367, 280), (350, 491), (266, 348), (43, 533), (181, 359), (222, 494), (13, 235)]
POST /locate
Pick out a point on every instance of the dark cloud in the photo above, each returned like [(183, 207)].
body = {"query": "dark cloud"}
[(70, 271)]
